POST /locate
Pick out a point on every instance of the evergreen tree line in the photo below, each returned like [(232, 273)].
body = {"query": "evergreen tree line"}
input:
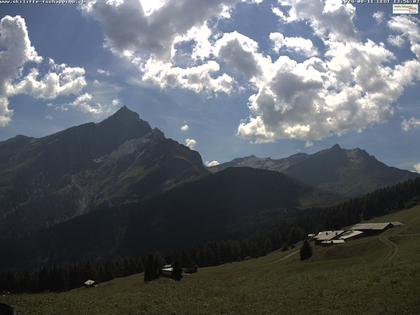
[(281, 235), (375, 204), (60, 278)]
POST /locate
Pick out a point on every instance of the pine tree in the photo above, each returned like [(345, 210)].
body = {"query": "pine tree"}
[(305, 251), (149, 273), (177, 271)]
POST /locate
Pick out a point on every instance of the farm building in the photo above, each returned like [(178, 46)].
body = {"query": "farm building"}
[(326, 236), (352, 234), (372, 228)]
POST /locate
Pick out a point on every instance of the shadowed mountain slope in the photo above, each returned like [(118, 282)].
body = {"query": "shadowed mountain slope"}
[(53, 179), (228, 204)]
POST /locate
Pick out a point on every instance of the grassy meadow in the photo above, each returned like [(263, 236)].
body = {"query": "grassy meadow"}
[(373, 275)]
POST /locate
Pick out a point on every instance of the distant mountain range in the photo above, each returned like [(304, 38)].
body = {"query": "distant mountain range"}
[(120, 187), (349, 173), (56, 178)]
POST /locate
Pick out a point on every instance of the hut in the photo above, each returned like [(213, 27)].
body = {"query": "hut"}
[(89, 283), (311, 236), (167, 270)]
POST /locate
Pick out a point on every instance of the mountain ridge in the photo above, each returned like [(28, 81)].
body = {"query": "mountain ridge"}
[(350, 172), (52, 179)]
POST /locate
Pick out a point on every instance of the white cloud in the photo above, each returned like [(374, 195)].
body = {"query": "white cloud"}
[(309, 144), (104, 72), (83, 104), (100, 100), (352, 87), (191, 143), (198, 79), (280, 14), (417, 167), (16, 52), (408, 27), (239, 54), (379, 16), (128, 28), (212, 163), (397, 40), (410, 124), (5, 112), (329, 19), (185, 127), (60, 81), (149, 6), (201, 36), (149, 40), (298, 44)]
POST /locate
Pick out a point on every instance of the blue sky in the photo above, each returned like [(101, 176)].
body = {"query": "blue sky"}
[(269, 78)]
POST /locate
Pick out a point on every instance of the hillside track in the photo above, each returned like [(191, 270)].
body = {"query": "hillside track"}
[(393, 248), (284, 258), (408, 235)]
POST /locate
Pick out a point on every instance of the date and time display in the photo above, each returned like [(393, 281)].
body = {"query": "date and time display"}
[(398, 6), (380, 1)]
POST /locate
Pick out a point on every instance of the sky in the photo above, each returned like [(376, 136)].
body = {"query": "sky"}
[(228, 78)]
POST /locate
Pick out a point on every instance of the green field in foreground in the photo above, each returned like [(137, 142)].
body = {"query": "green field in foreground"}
[(374, 275)]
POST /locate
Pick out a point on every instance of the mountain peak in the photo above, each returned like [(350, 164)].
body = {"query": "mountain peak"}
[(125, 118), (336, 147), (125, 113)]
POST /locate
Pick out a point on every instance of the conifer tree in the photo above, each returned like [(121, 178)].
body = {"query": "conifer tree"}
[(149, 270), (176, 271), (305, 251)]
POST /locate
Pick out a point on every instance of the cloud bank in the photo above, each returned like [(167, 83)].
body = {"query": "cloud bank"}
[(300, 92)]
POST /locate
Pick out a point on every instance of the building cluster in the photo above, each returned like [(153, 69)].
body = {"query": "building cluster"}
[(328, 238)]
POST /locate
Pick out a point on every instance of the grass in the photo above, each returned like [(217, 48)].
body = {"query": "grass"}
[(355, 278)]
